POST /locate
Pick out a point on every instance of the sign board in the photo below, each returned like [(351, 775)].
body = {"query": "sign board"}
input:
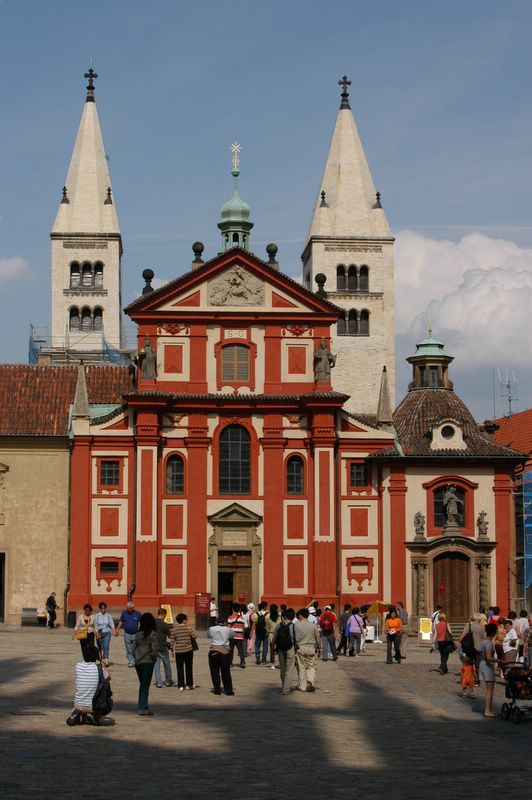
[(370, 633), (169, 618), (425, 631), (202, 602)]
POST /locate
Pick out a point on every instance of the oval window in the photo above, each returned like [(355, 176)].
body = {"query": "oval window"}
[(447, 431)]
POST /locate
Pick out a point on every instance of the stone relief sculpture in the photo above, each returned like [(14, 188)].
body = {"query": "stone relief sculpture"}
[(148, 360), (419, 524), (236, 287), (482, 524), (324, 361)]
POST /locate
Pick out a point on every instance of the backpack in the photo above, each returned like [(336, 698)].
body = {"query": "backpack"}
[(468, 643), (102, 702), (283, 639), (260, 627), (326, 624)]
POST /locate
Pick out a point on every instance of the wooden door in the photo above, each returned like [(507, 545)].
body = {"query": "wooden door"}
[(450, 581), (242, 585)]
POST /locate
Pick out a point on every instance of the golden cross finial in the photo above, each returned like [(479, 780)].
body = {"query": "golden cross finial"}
[(235, 150), (430, 327)]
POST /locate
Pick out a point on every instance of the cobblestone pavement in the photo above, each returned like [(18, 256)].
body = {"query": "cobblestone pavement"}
[(371, 730)]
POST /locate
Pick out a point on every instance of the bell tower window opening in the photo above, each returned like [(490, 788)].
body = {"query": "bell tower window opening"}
[(74, 275), (235, 238), (352, 323), (352, 278), (74, 321), (98, 319), (340, 278), (86, 274), (363, 283), (175, 475), (341, 325), (86, 320), (363, 329), (235, 363), (98, 274), (235, 460)]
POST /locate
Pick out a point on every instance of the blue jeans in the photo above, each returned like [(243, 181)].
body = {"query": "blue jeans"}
[(264, 644), (144, 671), (103, 643), (129, 638), (164, 657)]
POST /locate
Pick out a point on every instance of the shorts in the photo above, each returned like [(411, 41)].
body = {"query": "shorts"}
[(486, 672)]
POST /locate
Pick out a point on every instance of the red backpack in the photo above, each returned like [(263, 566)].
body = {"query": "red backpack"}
[(326, 623)]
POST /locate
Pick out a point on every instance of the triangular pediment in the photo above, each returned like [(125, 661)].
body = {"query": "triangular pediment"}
[(235, 281), (350, 423), (235, 514)]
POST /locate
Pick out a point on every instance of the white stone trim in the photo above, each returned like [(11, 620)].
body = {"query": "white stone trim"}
[(286, 556)]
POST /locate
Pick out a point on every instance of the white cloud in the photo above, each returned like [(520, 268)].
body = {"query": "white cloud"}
[(14, 269), (476, 293)]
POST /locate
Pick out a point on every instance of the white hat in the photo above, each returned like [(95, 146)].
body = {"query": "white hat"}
[(251, 606), (328, 608)]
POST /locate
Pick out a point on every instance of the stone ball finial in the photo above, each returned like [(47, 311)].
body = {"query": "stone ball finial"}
[(321, 279), (198, 248), (148, 275), (272, 249)]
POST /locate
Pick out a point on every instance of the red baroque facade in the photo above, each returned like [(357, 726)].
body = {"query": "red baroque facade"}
[(229, 469)]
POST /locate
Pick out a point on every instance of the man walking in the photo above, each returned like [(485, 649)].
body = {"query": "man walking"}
[(259, 620), (403, 616), (327, 621), (220, 638), (129, 621), (284, 643), (237, 624), (163, 631), (307, 641), (51, 608)]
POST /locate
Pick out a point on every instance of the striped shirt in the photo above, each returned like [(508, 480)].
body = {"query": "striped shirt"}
[(181, 638), (86, 683), (237, 623)]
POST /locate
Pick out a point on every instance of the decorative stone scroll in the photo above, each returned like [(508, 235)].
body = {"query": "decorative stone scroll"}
[(295, 330), (172, 328), (376, 248), (420, 565), (483, 565), (236, 287)]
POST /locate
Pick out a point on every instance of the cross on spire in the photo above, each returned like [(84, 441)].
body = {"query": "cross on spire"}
[(344, 83), (235, 158), (91, 76)]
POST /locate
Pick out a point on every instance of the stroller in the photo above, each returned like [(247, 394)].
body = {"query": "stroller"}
[(518, 689)]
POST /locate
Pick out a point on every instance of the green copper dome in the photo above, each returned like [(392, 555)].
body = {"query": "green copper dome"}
[(235, 208), (235, 224), (430, 348)]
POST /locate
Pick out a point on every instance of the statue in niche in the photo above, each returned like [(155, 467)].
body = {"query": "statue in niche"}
[(451, 506), (236, 287), (148, 361), (419, 524), (324, 361), (482, 524)]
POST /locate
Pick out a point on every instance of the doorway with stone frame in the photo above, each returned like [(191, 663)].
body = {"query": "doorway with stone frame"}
[(235, 553)]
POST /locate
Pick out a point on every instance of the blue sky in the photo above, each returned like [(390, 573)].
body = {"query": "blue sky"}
[(442, 98)]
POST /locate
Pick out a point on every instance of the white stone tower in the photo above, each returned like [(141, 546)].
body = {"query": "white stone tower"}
[(350, 243), (86, 248)]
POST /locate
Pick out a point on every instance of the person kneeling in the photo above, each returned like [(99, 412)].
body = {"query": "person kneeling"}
[(87, 678)]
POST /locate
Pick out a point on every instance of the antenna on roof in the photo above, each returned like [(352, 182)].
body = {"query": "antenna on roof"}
[(508, 390)]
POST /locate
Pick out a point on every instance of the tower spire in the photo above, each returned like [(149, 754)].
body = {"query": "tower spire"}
[(344, 83), (235, 224), (91, 75)]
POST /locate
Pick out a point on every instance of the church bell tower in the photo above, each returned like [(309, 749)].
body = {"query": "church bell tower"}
[(350, 243), (86, 248)]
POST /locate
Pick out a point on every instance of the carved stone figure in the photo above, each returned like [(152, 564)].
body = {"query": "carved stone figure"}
[(236, 287), (419, 524), (482, 524), (324, 360), (148, 361), (451, 504)]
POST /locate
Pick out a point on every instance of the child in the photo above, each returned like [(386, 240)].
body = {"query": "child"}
[(468, 677)]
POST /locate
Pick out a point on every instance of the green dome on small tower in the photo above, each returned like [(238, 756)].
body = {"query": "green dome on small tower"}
[(235, 224)]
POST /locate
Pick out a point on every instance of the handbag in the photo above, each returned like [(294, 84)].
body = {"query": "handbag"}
[(194, 643), (82, 634), (450, 640)]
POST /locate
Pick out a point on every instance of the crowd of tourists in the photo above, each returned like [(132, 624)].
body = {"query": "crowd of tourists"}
[(282, 638)]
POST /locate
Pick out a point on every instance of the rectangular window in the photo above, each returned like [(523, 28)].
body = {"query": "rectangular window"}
[(109, 567), (235, 363), (358, 475), (110, 473)]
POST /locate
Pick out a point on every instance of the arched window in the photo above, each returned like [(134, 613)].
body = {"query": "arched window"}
[(175, 475), (352, 278), (340, 278), (352, 323), (235, 237), (86, 275), (235, 460), (98, 319), (86, 320), (235, 363), (74, 321), (341, 327), (363, 327), (74, 275), (363, 282), (294, 475), (456, 508), (98, 274)]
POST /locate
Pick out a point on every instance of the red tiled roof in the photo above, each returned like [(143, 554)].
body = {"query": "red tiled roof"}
[(35, 400), (421, 409), (516, 431)]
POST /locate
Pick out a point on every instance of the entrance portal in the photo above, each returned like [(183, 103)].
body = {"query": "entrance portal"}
[(450, 581), (234, 580)]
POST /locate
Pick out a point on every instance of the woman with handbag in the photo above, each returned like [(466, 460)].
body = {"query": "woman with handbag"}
[(105, 625), (184, 642), (86, 631), (145, 650), (443, 639)]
